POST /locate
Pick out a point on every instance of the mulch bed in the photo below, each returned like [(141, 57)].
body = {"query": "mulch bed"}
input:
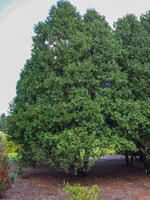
[(117, 182)]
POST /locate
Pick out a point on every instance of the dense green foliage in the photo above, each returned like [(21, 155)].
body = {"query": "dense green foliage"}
[(77, 192), (3, 122), (10, 146), (85, 88), (135, 61)]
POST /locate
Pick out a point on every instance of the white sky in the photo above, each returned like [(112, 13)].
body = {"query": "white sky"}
[(16, 30)]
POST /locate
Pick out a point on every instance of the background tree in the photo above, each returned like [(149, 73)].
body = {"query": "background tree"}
[(3, 123), (145, 21)]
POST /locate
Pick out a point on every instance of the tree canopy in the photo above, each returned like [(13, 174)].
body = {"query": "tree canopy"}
[(135, 60), (79, 92)]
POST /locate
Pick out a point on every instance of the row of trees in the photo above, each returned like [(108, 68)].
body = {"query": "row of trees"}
[(85, 88)]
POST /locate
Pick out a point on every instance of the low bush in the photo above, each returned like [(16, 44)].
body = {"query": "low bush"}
[(7, 178), (10, 146), (77, 192)]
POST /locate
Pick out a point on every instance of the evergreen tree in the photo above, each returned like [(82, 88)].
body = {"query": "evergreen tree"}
[(74, 97), (58, 113), (134, 60)]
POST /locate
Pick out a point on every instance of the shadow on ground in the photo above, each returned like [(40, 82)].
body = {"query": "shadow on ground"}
[(116, 180)]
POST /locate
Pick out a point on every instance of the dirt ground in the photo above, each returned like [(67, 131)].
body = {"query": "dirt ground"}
[(117, 182)]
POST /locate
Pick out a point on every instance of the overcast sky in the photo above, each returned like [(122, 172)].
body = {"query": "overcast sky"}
[(17, 19)]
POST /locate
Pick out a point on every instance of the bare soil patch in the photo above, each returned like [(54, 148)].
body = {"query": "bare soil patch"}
[(117, 182)]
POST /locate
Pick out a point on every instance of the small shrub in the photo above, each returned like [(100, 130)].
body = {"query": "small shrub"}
[(77, 192), (10, 146), (6, 177)]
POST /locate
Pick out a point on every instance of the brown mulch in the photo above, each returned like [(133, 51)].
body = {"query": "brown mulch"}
[(117, 182)]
